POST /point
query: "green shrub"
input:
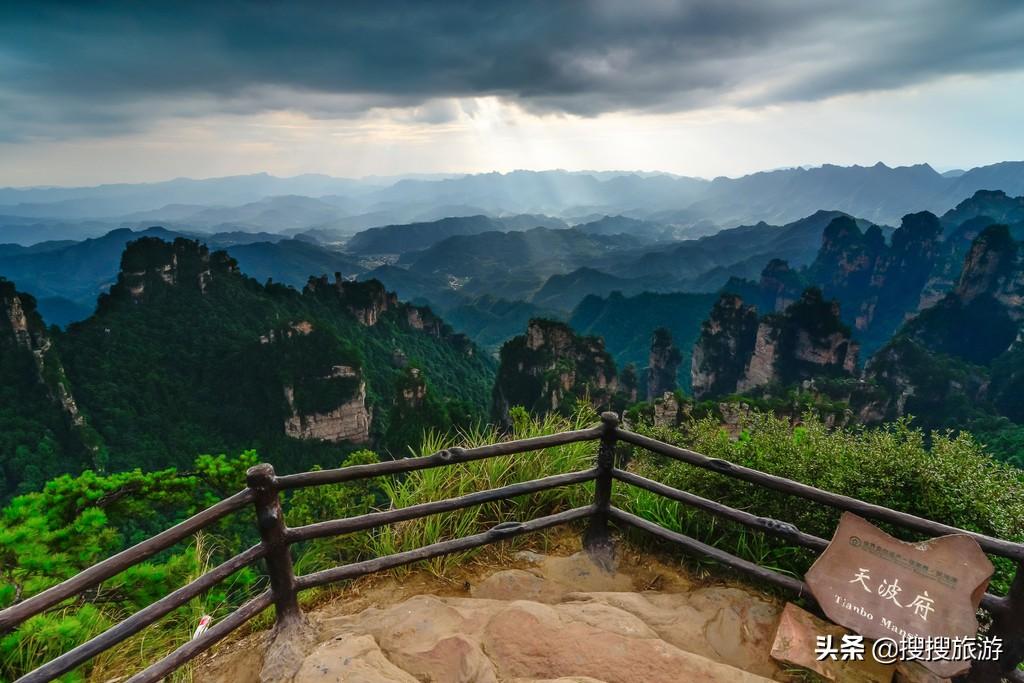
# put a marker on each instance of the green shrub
(456, 480)
(953, 480)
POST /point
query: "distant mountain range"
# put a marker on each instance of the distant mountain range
(337, 208)
(67, 276)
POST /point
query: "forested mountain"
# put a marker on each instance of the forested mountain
(291, 261)
(556, 269)
(551, 367)
(43, 433)
(943, 341)
(960, 359)
(66, 277)
(877, 193)
(398, 239)
(710, 261)
(617, 285)
(644, 230)
(882, 283)
(490, 320)
(186, 355)
(626, 323)
(565, 292)
(738, 351)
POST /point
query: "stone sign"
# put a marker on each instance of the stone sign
(882, 587)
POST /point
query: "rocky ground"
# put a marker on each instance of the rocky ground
(554, 618)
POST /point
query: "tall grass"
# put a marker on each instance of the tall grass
(176, 628)
(463, 478)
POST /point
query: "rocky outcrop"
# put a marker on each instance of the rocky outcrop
(737, 352)
(780, 285)
(21, 324)
(549, 368)
(662, 364)
(150, 265)
(724, 347)
(848, 258)
(992, 269)
(18, 321)
(423, 320)
(964, 351)
(981, 318)
(668, 411)
(367, 301)
(413, 388)
(349, 421)
(46, 431)
(880, 285)
(761, 368)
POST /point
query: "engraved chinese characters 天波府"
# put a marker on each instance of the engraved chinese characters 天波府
(882, 587)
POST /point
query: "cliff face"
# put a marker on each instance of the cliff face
(847, 258)
(781, 286)
(150, 265)
(24, 326)
(879, 284)
(991, 269)
(981, 317)
(964, 352)
(367, 301)
(724, 347)
(550, 367)
(19, 321)
(737, 352)
(349, 421)
(45, 432)
(961, 226)
(662, 365)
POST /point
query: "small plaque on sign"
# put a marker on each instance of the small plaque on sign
(882, 587)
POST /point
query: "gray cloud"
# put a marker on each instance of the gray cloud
(67, 70)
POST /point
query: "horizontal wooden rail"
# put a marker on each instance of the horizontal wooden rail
(448, 456)
(277, 538)
(497, 533)
(141, 619)
(695, 547)
(784, 530)
(996, 546)
(19, 612)
(338, 527)
(204, 642)
(770, 526)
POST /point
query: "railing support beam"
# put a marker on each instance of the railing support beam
(270, 521)
(1008, 626)
(597, 540)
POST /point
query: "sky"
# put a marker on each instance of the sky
(131, 92)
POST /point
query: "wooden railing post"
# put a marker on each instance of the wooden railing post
(1008, 626)
(270, 520)
(597, 540)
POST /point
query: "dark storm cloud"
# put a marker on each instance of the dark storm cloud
(66, 69)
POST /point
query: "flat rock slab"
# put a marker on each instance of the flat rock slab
(563, 620)
(795, 642)
(559, 620)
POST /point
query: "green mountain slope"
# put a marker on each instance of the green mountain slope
(626, 324)
(186, 355)
(42, 431)
(398, 239)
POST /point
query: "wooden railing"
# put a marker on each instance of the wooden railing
(264, 489)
